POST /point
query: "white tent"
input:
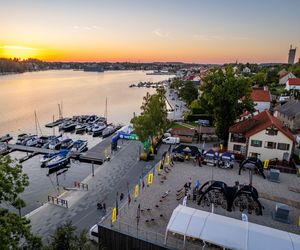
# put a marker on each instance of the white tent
(228, 232)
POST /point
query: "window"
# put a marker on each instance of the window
(256, 143)
(283, 146)
(271, 131)
(236, 147)
(270, 144)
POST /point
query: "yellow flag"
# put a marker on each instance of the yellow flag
(159, 165)
(167, 160)
(150, 178)
(266, 163)
(114, 215)
(136, 191)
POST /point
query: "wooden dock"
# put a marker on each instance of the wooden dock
(98, 153)
(55, 123)
(36, 150)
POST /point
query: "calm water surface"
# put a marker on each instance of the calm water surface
(81, 93)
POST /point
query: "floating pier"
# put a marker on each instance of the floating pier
(55, 123)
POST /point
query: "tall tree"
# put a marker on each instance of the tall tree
(188, 92)
(14, 229)
(153, 119)
(66, 238)
(225, 97)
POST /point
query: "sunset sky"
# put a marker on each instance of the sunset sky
(202, 31)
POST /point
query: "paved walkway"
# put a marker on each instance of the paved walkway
(110, 178)
(156, 211)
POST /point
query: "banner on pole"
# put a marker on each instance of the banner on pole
(167, 161)
(150, 178)
(114, 215)
(159, 165)
(136, 191)
(266, 163)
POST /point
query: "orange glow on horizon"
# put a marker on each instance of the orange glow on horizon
(129, 54)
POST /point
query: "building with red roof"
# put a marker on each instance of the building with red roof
(293, 84)
(261, 98)
(285, 76)
(263, 136)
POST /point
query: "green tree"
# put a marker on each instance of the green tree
(153, 119)
(66, 238)
(225, 97)
(188, 92)
(14, 229)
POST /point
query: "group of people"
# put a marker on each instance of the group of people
(101, 206)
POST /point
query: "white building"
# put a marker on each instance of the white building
(283, 79)
(261, 98)
(246, 70)
(262, 136)
(293, 84)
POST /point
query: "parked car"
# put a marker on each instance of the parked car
(171, 140)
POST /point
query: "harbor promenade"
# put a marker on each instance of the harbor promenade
(110, 178)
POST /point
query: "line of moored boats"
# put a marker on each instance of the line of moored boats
(90, 124)
(64, 146)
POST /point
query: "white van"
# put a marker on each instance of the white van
(93, 233)
(171, 140)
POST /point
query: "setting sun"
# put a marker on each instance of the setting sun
(22, 52)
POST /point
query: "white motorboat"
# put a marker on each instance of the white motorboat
(79, 146)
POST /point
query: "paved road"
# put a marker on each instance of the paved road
(110, 178)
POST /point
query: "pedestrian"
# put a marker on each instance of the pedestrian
(190, 183)
(104, 207)
(121, 196)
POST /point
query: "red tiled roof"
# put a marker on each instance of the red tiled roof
(260, 95)
(294, 81)
(258, 123)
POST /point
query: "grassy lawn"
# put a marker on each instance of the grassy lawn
(176, 125)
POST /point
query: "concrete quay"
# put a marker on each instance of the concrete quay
(109, 178)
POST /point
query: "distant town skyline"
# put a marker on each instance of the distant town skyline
(191, 31)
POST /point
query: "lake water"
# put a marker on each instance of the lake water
(81, 93)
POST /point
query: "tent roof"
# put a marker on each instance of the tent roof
(228, 232)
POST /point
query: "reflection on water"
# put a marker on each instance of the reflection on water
(80, 92)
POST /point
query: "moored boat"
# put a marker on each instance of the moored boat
(3, 148)
(47, 158)
(54, 144)
(79, 146)
(98, 128)
(61, 159)
(6, 138)
(67, 144)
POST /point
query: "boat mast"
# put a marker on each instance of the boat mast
(37, 124)
(105, 111)
(35, 121)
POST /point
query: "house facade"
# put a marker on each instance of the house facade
(293, 84)
(261, 98)
(289, 114)
(262, 136)
(283, 79)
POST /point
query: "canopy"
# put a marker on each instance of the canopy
(227, 156)
(228, 232)
(210, 153)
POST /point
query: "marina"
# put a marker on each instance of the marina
(63, 87)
